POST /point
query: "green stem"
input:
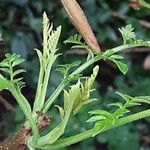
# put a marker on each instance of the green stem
(45, 83)
(127, 46)
(42, 87)
(38, 91)
(63, 84)
(25, 106)
(53, 96)
(91, 61)
(87, 134)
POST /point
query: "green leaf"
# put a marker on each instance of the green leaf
(122, 67)
(76, 39)
(95, 118)
(47, 59)
(8, 64)
(114, 56)
(124, 96)
(142, 99)
(5, 70)
(50, 37)
(129, 37)
(64, 69)
(120, 112)
(20, 85)
(127, 33)
(39, 53)
(100, 112)
(84, 92)
(69, 98)
(61, 111)
(132, 103)
(99, 126)
(105, 119)
(4, 84)
(4, 63)
(74, 98)
(18, 72)
(17, 60)
(117, 104)
(12, 60)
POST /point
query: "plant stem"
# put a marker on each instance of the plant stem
(87, 134)
(127, 46)
(45, 84)
(38, 91)
(91, 61)
(25, 106)
(63, 84)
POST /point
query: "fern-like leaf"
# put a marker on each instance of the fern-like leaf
(4, 84)
(77, 43)
(8, 66)
(50, 41)
(129, 36)
(127, 33)
(104, 118)
(64, 69)
(83, 96)
(80, 93)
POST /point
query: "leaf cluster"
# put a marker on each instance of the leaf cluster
(8, 66)
(76, 40)
(104, 119)
(78, 94)
(129, 36)
(74, 99)
(65, 69)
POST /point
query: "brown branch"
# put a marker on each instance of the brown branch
(18, 141)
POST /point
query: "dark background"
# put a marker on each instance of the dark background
(21, 30)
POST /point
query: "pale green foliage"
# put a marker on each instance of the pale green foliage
(78, 95)
(4, 84)
(14, 85)
(50, 40)
(50, 37)
(127, 33)
(47, 59)
(76, 40)
(105, 119)
(74, 98)
(78, 44)
(8, 66)
(129, 36)
(117, 60)
(65, 69)
(80, 92)
(83, 96)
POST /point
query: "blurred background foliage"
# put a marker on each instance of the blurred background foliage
(21, 30)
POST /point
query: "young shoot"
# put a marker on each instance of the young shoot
(75, 97)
